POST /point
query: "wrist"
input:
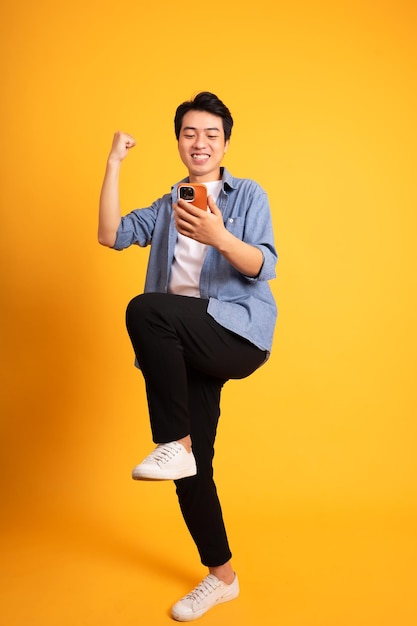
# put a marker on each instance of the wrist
(114, 161)
(224, 242)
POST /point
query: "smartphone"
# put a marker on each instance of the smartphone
(195, 193)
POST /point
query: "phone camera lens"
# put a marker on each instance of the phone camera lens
(187, 193)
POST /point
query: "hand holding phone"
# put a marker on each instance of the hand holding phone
(195, 193)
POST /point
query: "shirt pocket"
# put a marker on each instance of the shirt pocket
(235, 225)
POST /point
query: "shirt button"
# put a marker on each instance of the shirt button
(231, 220)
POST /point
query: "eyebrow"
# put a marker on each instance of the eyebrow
(194, 128)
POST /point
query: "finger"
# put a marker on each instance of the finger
(189, 208)
(184, 228)
(124, 138)
(130, 142)
(212, 205)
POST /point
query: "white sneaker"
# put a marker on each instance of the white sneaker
(208, 593)
(169, 461)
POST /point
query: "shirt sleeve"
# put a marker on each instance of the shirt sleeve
(137, 227)
(259, 233)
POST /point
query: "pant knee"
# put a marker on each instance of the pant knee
(138, 308)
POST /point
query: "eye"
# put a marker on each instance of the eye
(212, 136)
(188, 136)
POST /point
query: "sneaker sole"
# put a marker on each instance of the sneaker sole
(180, 618)
(144, 475)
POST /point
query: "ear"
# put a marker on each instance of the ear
(226, 145)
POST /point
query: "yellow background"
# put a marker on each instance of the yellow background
(316, 454)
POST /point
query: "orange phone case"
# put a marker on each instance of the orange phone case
(200, 195)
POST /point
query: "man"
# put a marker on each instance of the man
(207, 315)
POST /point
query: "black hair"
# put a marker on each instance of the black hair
(205, 101)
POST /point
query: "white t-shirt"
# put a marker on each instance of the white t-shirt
(189, 257)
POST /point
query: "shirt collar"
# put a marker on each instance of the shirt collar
(227, 180)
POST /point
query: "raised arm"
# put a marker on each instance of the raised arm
(109, 211)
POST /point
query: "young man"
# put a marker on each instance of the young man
(206, 315)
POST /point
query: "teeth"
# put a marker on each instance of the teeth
(199, 157)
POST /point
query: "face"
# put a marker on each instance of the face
(202, 146)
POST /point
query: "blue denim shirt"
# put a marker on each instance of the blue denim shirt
(242, 304)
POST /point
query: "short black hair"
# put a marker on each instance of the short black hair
(205, 101)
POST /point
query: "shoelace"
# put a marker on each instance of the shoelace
(204, 589)
(164, 453)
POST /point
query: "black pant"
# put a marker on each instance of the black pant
(186, 357)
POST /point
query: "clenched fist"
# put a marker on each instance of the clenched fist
(122, 143)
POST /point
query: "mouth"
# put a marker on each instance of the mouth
(200, 157)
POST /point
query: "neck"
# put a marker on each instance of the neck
(208, 178)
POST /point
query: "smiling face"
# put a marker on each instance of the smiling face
(201, 145)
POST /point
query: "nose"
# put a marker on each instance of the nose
(200, 141)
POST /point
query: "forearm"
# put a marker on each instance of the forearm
(247, 259)
(109, 210)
